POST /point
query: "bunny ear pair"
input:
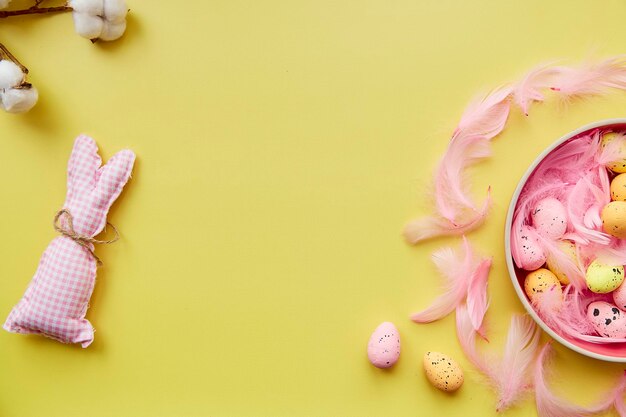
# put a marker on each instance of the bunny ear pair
(86, 176)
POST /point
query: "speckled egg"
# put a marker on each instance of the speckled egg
(618, 188)
(569, 249)
(443, 372)
(620, 164)
(550, 218)
(614, 219)
(619, 296)
(607, 319)
(531, 255)
(543, 283)
(602, 278)
(383, 349)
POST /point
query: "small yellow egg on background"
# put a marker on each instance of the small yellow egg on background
(602, 278)
(543, 283)
(614, 219)
(618, 188)
(443, 372)
(618, 165)
(569, 249)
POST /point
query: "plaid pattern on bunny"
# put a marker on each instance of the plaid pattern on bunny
(56, 301)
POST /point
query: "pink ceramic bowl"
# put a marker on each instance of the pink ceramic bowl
(615, 352)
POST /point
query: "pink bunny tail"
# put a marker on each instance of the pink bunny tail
(550, 405)
(477, 301)
(457, 269)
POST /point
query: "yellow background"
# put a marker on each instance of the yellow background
(281, 147)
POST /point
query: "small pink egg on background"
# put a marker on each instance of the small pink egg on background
(550, 218)
(383, 349)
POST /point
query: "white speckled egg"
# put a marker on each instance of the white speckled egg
(602, 278)
(569, 249)
(618, 188)
(531, 255)
(550, 218)
(607, 319)
(443, 372)
(543, 285)
(619, 296)
(383, 349)
(620, 164)
(614, 219)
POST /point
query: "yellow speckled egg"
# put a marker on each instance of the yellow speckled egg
(618, 188)
(602, 278)
(620, 164)
(543, 283)
(569, 249)
(443, 372)
(614, 219)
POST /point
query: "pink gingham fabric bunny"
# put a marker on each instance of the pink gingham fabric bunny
(56, 301)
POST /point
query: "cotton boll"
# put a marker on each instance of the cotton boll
(19, 100)
(112, 31)
(90, 7)
(10, 74)
(115, 11)
(4, 4)
(87, 26)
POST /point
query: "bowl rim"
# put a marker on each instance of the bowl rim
(507, 240)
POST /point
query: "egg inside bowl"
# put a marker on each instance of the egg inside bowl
(562, 209)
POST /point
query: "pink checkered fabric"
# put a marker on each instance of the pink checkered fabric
(55, 302)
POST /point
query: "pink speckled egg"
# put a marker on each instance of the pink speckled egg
(607, 319)
(619, 296)
(531, 254)
(383, 349)
(550, 218)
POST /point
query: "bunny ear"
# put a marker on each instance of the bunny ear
(112, 177)
(82, 166)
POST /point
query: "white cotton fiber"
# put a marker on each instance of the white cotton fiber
(112, 31)
(19, 100)
(10, 74)
(90, 7)
(115, 11)
(4, 4)
(87, 26)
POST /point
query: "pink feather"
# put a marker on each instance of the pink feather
(528, 89)
(510, 374)
(513, 372)
(591, 78)
(457, 269)
(477, 301)
(433, 226)
(549, 405)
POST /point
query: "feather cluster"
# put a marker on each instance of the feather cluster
(576, 181)
(99, 19)
(16, 95)
(455, 212)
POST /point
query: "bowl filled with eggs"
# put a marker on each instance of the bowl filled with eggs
(565, 240)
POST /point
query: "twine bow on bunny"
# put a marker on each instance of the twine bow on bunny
(56, 301)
